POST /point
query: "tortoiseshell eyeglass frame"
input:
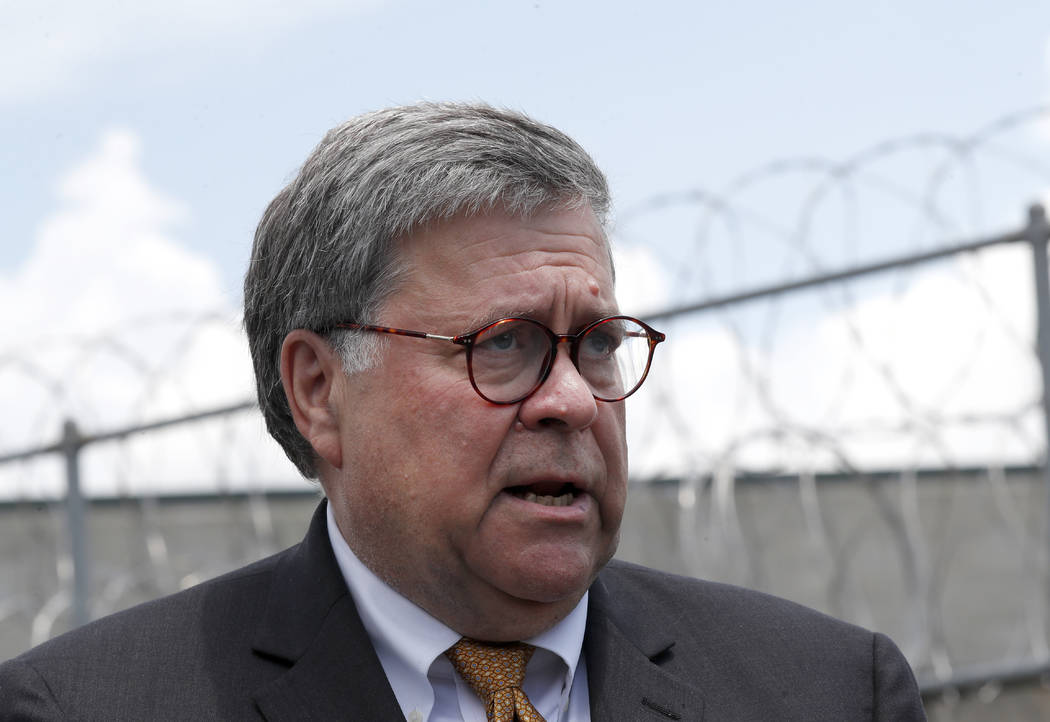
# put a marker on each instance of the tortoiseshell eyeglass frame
(573, 339)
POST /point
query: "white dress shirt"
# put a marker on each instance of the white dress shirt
(411, 647)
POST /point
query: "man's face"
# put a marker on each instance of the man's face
(431, 491)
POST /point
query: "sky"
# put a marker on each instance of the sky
(141, 142)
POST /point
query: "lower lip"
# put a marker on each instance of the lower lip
(577, 509)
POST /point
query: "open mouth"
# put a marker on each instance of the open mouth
(546, 493)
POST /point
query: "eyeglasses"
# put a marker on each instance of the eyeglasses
(509, 359)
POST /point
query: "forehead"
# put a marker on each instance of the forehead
(550, 264)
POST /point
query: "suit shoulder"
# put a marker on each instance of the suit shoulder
(765, 657)
(700, 603)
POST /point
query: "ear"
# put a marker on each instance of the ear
(310, 372)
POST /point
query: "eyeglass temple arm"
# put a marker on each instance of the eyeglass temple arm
(395, 331)
(654, 335)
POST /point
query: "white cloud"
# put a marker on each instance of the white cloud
(47, 45)
(106, 254)
(111, 321)
(641, 285)
(920, 371)
(920, 376)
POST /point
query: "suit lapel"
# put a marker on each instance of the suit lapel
(624, 677)
(312, 625)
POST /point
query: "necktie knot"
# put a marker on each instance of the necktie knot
(495, 673)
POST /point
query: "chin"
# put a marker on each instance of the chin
(552, 591)
(551, 580)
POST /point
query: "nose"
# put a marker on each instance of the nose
(563, 402)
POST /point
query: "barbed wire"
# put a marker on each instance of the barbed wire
(939, 438)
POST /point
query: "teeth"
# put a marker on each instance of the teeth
(563, 500)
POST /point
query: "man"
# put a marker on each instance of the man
(431, 315)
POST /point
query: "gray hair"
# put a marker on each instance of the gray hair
(325, 249)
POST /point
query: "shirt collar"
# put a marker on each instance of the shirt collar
(565, 638)
(396, 625)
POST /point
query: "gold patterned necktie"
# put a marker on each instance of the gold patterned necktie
(495, 673)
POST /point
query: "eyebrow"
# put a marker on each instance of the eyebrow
(484, 319)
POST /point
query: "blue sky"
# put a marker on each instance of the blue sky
(227, 98)
(141, 142)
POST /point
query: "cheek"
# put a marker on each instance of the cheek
(611, 436)
(430, 448)
(611, 432)
(461, 432)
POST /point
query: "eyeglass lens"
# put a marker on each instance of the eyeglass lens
(510, 358)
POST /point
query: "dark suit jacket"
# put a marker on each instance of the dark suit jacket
(281, 639)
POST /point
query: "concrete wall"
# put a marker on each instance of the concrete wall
(949, 566)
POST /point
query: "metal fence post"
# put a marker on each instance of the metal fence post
(1037, 233)
(72, 443)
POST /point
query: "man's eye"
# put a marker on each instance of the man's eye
(506, 341)
(599, 343)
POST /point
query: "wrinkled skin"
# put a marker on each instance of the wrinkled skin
(417, 466)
